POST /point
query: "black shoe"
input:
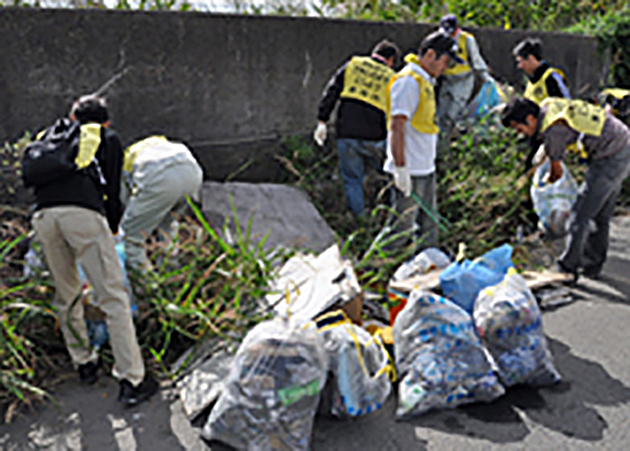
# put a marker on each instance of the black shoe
(592, 272)
(560, 268)
(130, 395)
(88, 372)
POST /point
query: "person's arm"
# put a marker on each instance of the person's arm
(556, 87)
(477, 63)
(331, 95)
(556, 138)
(397, 138)
(111, 161)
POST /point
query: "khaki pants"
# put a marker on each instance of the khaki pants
(155, 204)
(70, 234)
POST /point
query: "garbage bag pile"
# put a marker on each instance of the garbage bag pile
(509, 322)
(440, 359)
(446, 352)
(272, 392)
(553, 201)
(360, 367)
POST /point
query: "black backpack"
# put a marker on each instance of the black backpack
(52, 155)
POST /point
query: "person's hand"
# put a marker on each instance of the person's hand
(555, 172)
(402, 180)
(320, 133)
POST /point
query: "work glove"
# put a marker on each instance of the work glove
(402, 179)
(320, 133)
(539, 156)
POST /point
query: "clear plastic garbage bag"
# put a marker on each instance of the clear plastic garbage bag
(439, 357)
(510, 325)
(273, 390)
(553, 201)
(426, 261)
(360, 368)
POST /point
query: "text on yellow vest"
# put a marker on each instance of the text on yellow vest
(366, 80)
(537, 92)
(423, 119)
(462, 52)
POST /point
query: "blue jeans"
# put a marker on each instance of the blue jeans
(354, 154)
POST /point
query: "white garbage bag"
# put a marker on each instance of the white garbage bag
(553, 201)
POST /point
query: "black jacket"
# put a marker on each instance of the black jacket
(355, 119)
(83, 188)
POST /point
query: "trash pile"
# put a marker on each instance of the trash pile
(457, 332)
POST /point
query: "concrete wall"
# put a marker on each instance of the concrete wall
(230, 86)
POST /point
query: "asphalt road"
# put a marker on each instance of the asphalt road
(590, 409)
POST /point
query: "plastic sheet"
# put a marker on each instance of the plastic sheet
(273, 390)
(427, 260)
(359, 365)
(440, 359)
(509, 321)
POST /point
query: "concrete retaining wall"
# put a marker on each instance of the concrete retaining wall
(228, 85)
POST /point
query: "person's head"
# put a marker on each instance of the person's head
(436, 51)
(90, 108)
(449, 24)
(521, 114)
(388, 51)
(528, 55)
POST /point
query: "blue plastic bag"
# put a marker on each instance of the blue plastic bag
(462, 281)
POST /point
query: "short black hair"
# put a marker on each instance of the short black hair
(517, 111)
(529, 46)
(90, 108)
(387, 49)
(441, 43)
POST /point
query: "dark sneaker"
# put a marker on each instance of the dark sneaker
(88, 372)
(560, 268)
(130, 395)
(592, 272)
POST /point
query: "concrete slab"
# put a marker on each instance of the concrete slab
(283, 211)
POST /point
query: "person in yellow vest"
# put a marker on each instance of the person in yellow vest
(544, 80)
(458, 80)
(617, 100)
(359, 86)
(75, 218)
(412, 139)
(563, 125)
(158, 175)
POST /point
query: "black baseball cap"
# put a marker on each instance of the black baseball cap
(441, 43)
(449, 23)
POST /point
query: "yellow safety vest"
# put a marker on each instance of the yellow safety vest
(537, 92)
(614, 97)
(583, 117)
(423, 119)
(132, 152)
(462, 52)
(366, 80)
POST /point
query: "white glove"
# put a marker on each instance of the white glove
(320, 133)
(402, 180)
(539, 156)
